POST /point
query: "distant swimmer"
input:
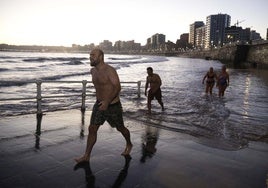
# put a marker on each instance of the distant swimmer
(108, 106)
(153, 82)
(223, 81)
(210, 80)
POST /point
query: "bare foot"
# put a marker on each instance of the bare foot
(81, 159)
(127, 150)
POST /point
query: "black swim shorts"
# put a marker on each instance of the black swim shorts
(157, 95)
(113, 115)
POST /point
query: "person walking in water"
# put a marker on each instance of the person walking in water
(108, 106)
(223, 81)
(210, 80)
(153, 82)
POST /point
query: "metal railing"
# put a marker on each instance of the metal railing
(39, 96)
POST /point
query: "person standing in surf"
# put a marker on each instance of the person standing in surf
(223, 81)
(153, 82)
(108, 106)
(210, 80)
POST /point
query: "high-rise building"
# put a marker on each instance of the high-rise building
(200, 37)
(192, 34)
(157, 42)
(215, 29)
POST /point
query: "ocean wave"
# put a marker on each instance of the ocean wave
(44, 59)
(7, 57)
(49, 78)
(74, 62)
(58, 77)
(12, 83)
(3, 69)
(24, 69)
(202, 135)
(124, 58)
(129, 62)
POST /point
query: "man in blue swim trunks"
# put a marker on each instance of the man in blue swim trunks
(108, 106)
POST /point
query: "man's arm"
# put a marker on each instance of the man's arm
(204, 78)
(113, 76)
(146, 86)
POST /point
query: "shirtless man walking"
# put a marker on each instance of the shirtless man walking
(153, 81)
(108, 106)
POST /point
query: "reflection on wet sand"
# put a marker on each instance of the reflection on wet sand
(149, 140)
(123, 173)
(38, 131)
(39, 125)
(82, 124)
(90, 178)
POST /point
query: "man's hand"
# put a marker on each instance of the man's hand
(103, 105)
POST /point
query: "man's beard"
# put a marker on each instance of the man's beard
(93, 63)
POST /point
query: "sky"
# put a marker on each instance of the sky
(67, 22)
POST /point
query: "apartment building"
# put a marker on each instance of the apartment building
(236, 34)
(200, 37)
(127, 46)
(215, 29)
(192, 33)
(156, 42)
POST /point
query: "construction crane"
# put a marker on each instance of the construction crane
(238, 22)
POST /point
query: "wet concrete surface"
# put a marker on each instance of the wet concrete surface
(41, 154)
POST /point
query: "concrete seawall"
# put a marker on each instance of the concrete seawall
(237, 55)
(258, 54)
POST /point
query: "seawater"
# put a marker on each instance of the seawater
(228, 123)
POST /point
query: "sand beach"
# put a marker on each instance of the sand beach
(160, 158)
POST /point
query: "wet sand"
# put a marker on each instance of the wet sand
(41, 154)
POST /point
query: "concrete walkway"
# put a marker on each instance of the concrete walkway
(160, 158)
